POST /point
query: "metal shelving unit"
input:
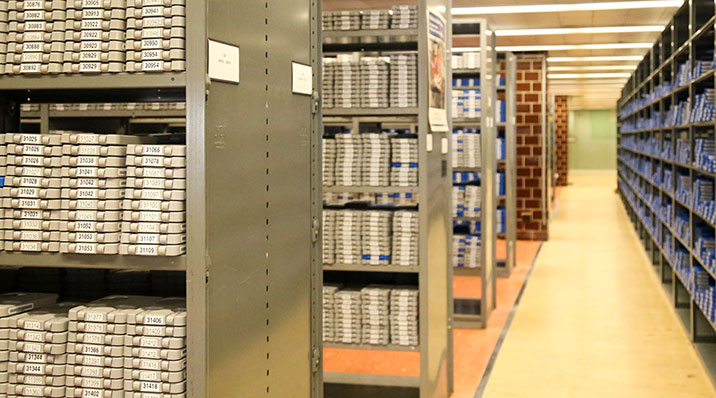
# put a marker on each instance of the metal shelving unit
(508, 131)
(252, 279)
(473, 312)
(650, 153)
(431, 274)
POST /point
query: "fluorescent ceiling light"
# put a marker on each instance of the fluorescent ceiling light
(571, 31)
(590, 67)
(566, 47)
(596, 58)
(621, 5)
(585, 75)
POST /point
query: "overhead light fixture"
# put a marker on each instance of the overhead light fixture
(596, 58)
(590, 67)
(621, 5)
(567, 47)
(571, 31)
(586, 75)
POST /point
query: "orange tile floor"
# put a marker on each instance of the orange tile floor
(473, 348)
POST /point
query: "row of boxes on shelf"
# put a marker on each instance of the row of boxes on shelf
(466, 60)
(466, 148)
(397, 17)
(466, 104)
(677, 115)
(373, 315)
(101, 36)
(370, 237)
(376, 200)
(115, 347)
(466, 201)
(359, 81)
(388, 158)
(472, 82)
(704, 150)
(466, 251)
(84, 193)
(684, 76)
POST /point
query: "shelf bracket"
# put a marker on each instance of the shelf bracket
(315, 359)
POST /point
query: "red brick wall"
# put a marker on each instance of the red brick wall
(530, 185)
(561, 149)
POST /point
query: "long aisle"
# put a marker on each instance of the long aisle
(593, 320)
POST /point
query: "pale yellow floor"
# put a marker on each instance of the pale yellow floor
(593, 320)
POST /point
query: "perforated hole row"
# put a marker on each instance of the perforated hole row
(267, 299)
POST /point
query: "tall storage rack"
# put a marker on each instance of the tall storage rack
(252, 286)
(473, 312)
(666, 167)
(507, 164)
(429, 364)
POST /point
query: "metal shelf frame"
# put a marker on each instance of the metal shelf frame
(253, 272)
(473, 312)
(509, 165)
(687, 38)
(432, 272)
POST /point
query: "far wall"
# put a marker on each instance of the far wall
(592, 139)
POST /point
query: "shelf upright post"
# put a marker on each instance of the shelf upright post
(472, 312)
(510, 162)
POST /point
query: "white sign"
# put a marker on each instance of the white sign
(223, 62)
(302, 78)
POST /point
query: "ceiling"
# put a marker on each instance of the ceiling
(584, 93)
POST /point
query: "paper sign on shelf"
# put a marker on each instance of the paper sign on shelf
(302, 78)
(223, 62)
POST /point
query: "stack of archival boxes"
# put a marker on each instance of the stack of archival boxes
(94, 36)
(127, 347)
(155, 35)
(35, 36)
(23, 356)
(154, 207)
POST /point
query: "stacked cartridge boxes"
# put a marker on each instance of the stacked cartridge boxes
(95, 36)
(38, 353)
(374, 82)
(348, 316)
(467, 151)
(398, 17)
(703, 110)
(375, 164)
(375, 19)
(466, 251)
(35, 39)
(14, 353)
(373, 315)
(469, 60)
(376, 227)
(92, 36)
(329, 312)
(155, 35)
(154, 219)
(370, 159)
(371, 238)
(405, 238)
(467, 201)
(404, 313)
(92, 191)
(404, 161)
(155, 350)
(467, 104)
(705, 154)
(329, 232)
(352, 81)
(404, 17)
(31, 197)
(70, 192)
(403, 81)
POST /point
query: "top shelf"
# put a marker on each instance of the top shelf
(93, 82)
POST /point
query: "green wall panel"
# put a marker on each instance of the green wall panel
(592, 139)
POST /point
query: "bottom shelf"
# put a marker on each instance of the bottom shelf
(467, 313)
(371, 379)
(389, 347)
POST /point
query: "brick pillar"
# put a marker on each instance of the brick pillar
(530, 185)
(561, 149)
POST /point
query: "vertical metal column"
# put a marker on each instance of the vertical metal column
(511, 161)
